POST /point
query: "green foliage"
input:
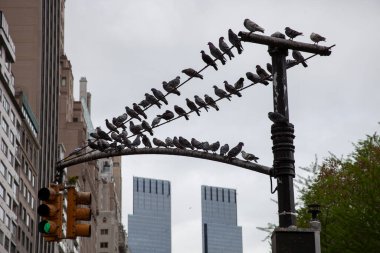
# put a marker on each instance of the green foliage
(348, 191)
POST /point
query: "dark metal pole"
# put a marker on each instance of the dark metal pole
(282, 136)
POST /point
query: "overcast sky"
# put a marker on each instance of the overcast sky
(125, 48)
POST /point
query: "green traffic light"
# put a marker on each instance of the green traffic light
(44, 227)
(47, 228)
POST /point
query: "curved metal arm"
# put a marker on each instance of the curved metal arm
(168, 151)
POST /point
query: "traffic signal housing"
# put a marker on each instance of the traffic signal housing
(50, 211)
(76, 212)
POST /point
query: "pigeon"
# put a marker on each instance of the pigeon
(167, 115)
(208, 60)
(120, 147)
(119, 121)
(116, 137)
(215, 146)
(175, 82)
(211, 102)
(276, 117)
(252, 26)
(177, 144)
(262, 73)
(205, 146)
(169, 142)
(170, 89)
(111, 126)
(270, 68)
(122, 118)
(132, 113)
(159, 143)
(135, 129)
(145, 125)
(159, 95)
(95, 135)
(299, 58)
(112, 146)
(221, 93)
(278, 35)
(92, 145)
(185, 143)
(255, 78)
(249, 157)
(156, 121)
(235, 41)
(231, 89)
(124, 134)
(103, 145)
(192, 106)
(181, 112)
(140, 111)
(192, 73)
(225, 48)
(136, 142)
(239, 84)
(144, 103)
(152, 100)
(200, 102)
(291, 63)
(216, 53)
(146, 141)
(102, 135)
(127, 142)
(292, 33)
(315, 37)
(196, 144)
(224, 149)
(235, 150)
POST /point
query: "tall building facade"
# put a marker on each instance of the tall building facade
(149, 227)
(220, 233)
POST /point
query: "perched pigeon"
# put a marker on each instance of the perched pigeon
(124, 134)
(196, 144)
(292, 33)
(290, 63)
(262, 73)
(102, 135)
(205, 146)
(132, 113)
(255, 78)
(200, 102)
(136, 142)
(181, 112)
(185, 143)
(152, 100)
(231, 89)
(225, 48)
(192, 106)
(145, 125)
(215, 146)
(216, 53)
(270, 68)
(235, 150)
(208, 60)
(224, 149)
(122, 118)
(111, 126)
(116, 137)
(135, 129)
(92, 145)
(159, 143)
(159, 95)
(156, 121)
(169, 142)
(113, 145)
(299, 58)
(177, 144)
(140, 111)
(175, 82)
(103, 145)
(211, 102)
(315, 37)
(119, 121)
(120, 147)
(221, 93)
(170, 89)
(276, 117)
(239, 84)
(167, 115)
(146, 141)
(192, 73)
(234, 39)
(252, 26)
(249, 157)
(127, 142)
(144, 103)
(95, 135)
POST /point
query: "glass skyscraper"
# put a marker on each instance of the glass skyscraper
(220, 233)
(149, 227)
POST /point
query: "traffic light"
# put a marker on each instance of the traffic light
(51, 212)
(76, 213)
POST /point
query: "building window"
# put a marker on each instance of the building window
(12, 137)
(211, 193)
(1, 214)
(10, 179)
(2, 191)
(5, 126)
(7, 221)
(6, 105)
(1, 236)
(1, 91)
(6, 243)
(104, 231)
(75, 119)
(4, 148)
(11, 159)
(104, 245)
(8, 200)
(104, 219)
(3, 169)
(63, 81)
(12, 116)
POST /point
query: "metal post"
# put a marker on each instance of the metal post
(282, 136)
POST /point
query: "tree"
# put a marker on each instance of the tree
(348, 191)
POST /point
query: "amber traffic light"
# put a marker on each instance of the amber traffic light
(78, 209)
(50, 210)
